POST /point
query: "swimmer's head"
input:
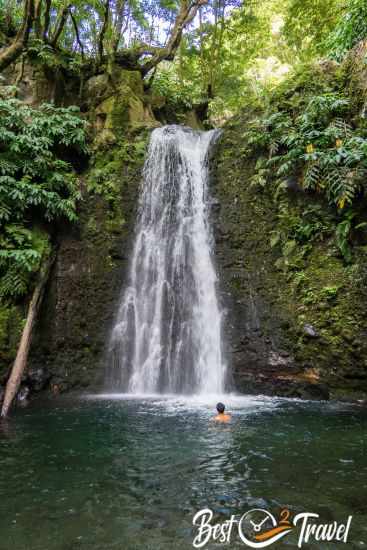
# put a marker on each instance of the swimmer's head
(220, 408)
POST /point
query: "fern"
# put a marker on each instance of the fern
(321, 142)
(273, 148)
(340, 128)
(313, 176)
(14, 282)
(343, 187)
(33, 179)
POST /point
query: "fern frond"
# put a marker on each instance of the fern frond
(343, 186)
(313, 176)
(14, 282)
(341, 127)
(273, 148)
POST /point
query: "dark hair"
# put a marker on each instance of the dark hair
(220, 408)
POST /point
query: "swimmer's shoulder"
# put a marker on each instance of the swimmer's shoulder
(222, 418)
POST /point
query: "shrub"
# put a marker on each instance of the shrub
(35, 182)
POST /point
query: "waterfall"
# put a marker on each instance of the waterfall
(167, 332)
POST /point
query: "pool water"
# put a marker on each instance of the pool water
(116, 472)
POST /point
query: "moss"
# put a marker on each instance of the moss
(41, 242)
(92, 260)
(118, 117)
(122, 107)
(355, 74)
(11, 313)
(132, 80)
(11, 326)
(279, 261)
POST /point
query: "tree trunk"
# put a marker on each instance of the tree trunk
(37, 18)
(12, 52)
(46, 20)
(106, 16)
(186, 14)
(60, 24)
(120, 9)
(77, 35)
(21, 359)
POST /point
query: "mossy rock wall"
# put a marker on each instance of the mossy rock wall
(297, 334)
(92, 257)
(91, 263)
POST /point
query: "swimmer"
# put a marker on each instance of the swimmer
(222, 416)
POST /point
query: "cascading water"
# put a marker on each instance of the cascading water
(167, 334)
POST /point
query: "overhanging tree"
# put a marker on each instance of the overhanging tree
(136, 34)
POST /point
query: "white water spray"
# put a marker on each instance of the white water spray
(167, 334)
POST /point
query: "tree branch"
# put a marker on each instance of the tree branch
(75, 25)
(46, 20)
(37, 17)
(142, 57)
(118, 25)
(60, 24)
(12, 52)
(103, 31)
(188, 10)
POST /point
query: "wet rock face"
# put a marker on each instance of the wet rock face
(82, 294)
(42, 84)
(22, 395)
(37, 378)
(259, 358)
(279, 343)
(80, 302)
(310, 331)
(257, 354)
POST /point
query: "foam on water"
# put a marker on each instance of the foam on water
(204, 403)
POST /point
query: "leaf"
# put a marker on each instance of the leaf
(275, 239)
(289, 248)
(33, 180)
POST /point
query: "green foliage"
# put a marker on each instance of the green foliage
(34, 183)
(330, 292)
(21, 253)
(296, 232)
(245, 52)
(308, 23)
(107, 165)
(229, 54)
(309, 139)
(342, 235)
(178, 92)
(351, 28)
(319, 147)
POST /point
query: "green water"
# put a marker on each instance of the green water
(126, 474)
